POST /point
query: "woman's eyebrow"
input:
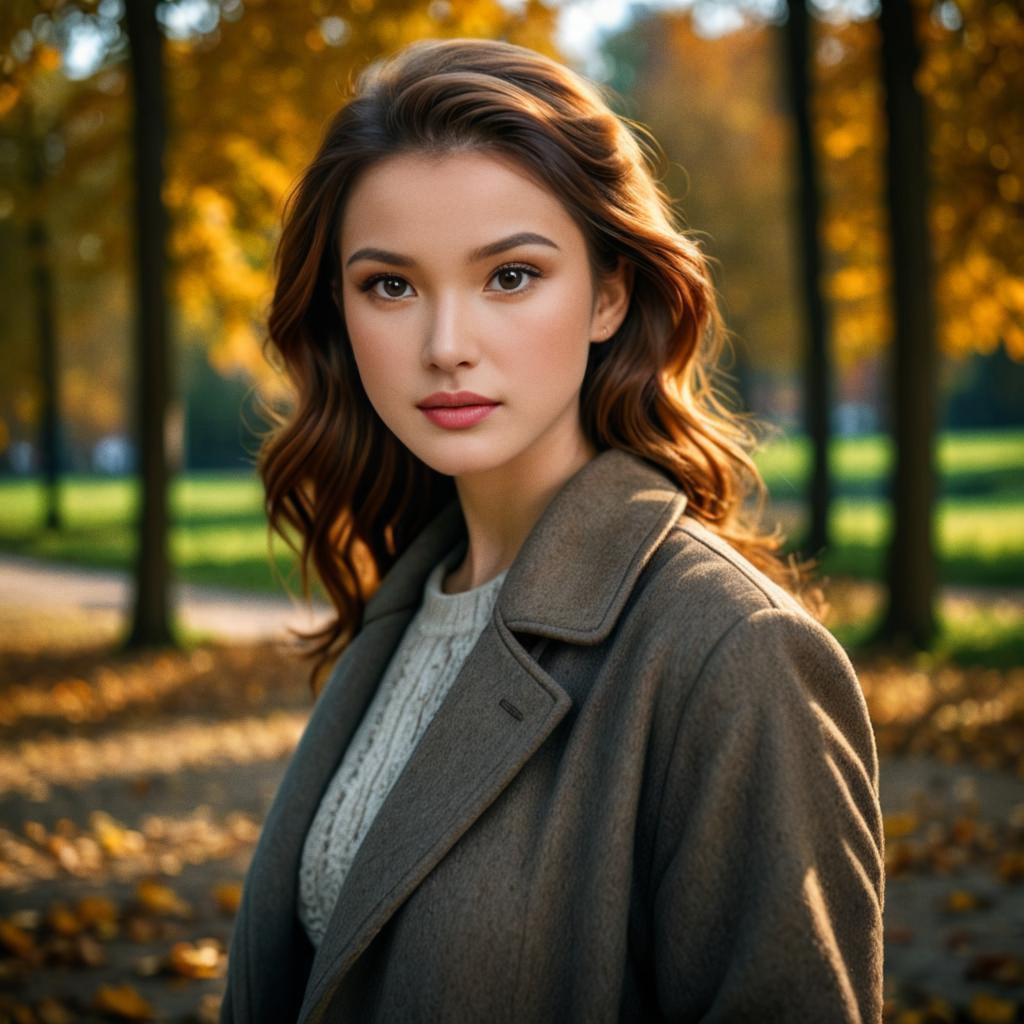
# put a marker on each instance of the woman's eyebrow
(491, 249)
(520, 238)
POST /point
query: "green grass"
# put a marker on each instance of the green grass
(992, 636)
(979, 542)
(977, 463)
(978, 531)
(219, 533)
(218, 536)
(980, 509)
(981, 636)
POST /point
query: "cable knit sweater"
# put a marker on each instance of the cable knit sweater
(417, 678)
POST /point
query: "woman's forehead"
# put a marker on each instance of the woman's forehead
(467, 199)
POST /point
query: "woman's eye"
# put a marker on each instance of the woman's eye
(510, 278)
(391, 287)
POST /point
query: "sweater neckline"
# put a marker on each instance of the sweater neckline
(444, 614)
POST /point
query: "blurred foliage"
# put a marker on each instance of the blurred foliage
(731, 153)
(717, 109)
(251, 88)
(972, 79)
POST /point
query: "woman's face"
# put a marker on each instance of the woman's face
(460, 273)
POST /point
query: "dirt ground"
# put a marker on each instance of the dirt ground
(132, 790)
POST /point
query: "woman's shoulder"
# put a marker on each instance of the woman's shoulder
(737, 653)
(703, 586)
(709, 564)
(725, 627)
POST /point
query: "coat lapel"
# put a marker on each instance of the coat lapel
(569, 581)
(267, 924)
(499, 710)
(278, 952)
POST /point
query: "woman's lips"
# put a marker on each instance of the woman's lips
(456, 417)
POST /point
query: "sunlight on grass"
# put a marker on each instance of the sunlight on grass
(219, 545)
(219, 531)
(88, 502)
(988, 530)
(221, 494)
(786, 463)
(990, 632)
(974, 629)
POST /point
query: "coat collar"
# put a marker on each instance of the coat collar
(576, 568)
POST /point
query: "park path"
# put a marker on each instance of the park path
(230, 615)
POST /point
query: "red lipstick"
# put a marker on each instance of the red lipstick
(456, 410)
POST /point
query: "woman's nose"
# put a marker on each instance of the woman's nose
(448, 343)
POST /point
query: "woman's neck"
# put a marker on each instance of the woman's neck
(502, 506)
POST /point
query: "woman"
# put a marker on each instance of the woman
(582, 755)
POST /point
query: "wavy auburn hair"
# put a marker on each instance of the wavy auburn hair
(337, 477)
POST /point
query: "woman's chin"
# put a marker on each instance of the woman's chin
(459, 460)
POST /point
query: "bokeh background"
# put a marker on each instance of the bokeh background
(855, 170)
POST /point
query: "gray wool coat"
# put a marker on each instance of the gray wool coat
(650, 794)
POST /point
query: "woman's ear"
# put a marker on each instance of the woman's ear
(611, 301)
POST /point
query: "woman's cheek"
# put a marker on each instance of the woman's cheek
(377, 374)
(374, 346)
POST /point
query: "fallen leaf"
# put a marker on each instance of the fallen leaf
(89, 952)
(1011, 866)
(18, 941)
(52, 1011)
(899, 933)
(123, 1001)
(959, 938)
(1002, 967)
(62, 920)
(161, 899)
(28, 918)
(208, 1011)
(205, 959)
(228, 896)
(149, 966)
(22, 1014)
(140, 929)
(963, 830)
(960, 901)
(939, 1011)
(988, 1009)
(96, 912)
(13, 973)
(899, 825)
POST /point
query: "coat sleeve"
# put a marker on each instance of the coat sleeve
(768, 868)
(226, 1014)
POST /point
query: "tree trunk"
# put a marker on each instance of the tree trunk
(909, 618)
(43, 294)
(151, 619)
(817, 388)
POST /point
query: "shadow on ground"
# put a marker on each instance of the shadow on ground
(133, 788)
